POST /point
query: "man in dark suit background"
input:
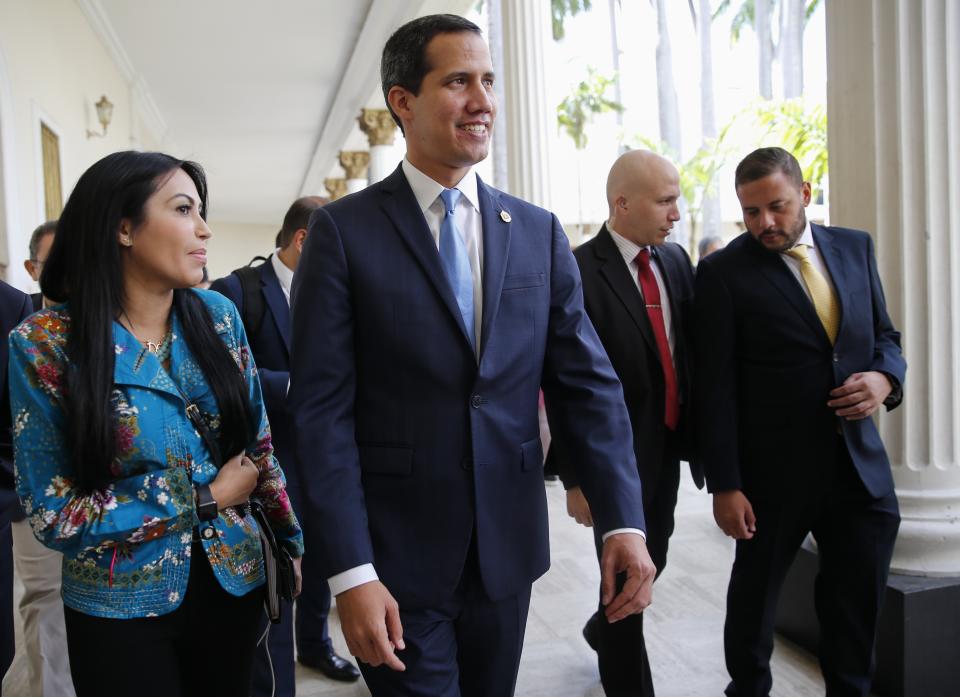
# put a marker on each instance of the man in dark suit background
(41, 239)
(645, 331)
(14, 308)
(795, 353)
(428, 308)
(262, 295)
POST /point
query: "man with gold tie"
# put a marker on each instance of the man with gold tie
(795, 353)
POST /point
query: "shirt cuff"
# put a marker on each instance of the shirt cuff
(618, 531)
(351, 578)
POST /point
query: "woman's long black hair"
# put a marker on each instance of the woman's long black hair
(84, 269)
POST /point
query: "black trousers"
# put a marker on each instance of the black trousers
(621, 648)
(855, 534)
(203, 648)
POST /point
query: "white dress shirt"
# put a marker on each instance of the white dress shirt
(284, 273)
(816, 259)
(629, 250)
(467, 219)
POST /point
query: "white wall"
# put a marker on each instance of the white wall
(234, 244)
(53, 67)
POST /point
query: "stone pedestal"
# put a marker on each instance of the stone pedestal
(524, 112)
(894, 133)
(355, 164)
(380, 128)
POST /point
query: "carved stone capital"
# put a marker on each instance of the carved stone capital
(355, 163)
(378, 125)
(336, 186)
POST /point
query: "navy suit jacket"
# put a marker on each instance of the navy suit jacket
(411, 448)
(766, 367)
(270, 346)
(616, 309)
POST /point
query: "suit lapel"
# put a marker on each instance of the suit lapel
(775, 270)
(276, 301)
(496, 243)
(617, 275)
(832, 258)
(402, 208)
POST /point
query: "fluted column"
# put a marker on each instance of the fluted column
(380, 128)
(336, 187)
(525, 113)
(355, 164)
(894, 133)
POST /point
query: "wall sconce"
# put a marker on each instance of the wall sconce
(104, 113)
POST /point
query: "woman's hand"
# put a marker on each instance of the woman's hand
(235, 481)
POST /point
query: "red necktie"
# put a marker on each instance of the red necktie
(651, 296)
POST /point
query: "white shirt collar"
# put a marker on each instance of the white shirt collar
(426, 190)
(807, 237)
(284, 273)
(628, 249)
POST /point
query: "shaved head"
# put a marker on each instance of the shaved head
(643, 190)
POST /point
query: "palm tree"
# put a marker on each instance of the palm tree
(702, 17)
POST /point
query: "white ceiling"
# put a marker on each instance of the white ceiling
(262, 94)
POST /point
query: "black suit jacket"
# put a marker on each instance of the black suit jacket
(766, 367)
(14, 308)
(616, 308)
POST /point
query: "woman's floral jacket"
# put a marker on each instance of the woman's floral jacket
(127, 547)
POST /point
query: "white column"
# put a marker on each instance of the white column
(355, 164)
(380, 129)
(525, 113)
(894, 134)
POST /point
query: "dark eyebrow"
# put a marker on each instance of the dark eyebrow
(186, 196)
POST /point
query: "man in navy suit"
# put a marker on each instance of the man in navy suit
(638, 291)
(795, 353)
(262, 296)
(428, 310)
(14, 308)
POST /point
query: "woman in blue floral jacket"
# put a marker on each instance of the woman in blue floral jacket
(162, 562)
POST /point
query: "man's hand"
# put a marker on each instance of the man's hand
(297, 576)
(626, 552)
(370, 620)
(860, 395)
(578, 508)
(734, 514)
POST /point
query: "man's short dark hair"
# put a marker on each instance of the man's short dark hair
(404, 60)
(47, 228)
(298, 215)
(766, 161)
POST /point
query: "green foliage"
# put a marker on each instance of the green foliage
(559, 9)
(746, 14)
(799, 128)
(586, 100)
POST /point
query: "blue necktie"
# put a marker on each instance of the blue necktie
(453, 256)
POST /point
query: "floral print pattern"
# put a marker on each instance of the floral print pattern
(127, 547)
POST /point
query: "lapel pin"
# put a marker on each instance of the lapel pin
(505, 217)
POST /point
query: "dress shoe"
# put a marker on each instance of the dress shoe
(331, 665)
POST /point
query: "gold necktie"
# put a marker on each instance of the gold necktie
(824, 301)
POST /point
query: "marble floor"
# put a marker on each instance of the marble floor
(683, 626)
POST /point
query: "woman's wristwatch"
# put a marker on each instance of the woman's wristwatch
(207, 508)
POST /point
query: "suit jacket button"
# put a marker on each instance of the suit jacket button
(476, 401)
(836, 358)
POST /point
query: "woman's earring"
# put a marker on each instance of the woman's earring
(126, 241)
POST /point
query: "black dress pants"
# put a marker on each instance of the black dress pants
(855, 534)
(621, 648)
(204, 648)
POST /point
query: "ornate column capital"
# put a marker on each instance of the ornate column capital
(355, 163)
(336, 186)
(378, 125)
